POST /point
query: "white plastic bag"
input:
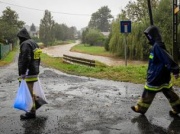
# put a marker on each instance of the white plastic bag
(40, 98)
(23, 100)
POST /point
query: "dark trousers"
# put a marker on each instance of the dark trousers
(30, 86)
(147, 97)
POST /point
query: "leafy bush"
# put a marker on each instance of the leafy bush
(93, 37)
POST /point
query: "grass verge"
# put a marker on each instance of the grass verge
(9, 58)
(131, 73)
(135, 74)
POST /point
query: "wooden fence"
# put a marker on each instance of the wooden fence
(82, 61)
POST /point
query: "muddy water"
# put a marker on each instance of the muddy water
(82, 105)
(58, 51)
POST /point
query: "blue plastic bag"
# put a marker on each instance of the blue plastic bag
(23, 100)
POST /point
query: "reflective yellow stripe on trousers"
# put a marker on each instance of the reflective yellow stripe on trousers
(158, 88)
(29, 79)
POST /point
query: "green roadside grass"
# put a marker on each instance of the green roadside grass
(135, 74)
(130, 73)
(9, 58)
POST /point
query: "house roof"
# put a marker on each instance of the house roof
(105, 33)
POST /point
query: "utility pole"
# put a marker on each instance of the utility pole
(150, 12)
(175, 26)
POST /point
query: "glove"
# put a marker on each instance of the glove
(176, 76)
(23, 76)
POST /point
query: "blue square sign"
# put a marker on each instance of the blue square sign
(125, 26)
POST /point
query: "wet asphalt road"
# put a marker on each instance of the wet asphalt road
(81, 105)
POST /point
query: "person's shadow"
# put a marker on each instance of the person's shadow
(34, 126)
(145, 127)
(174, 127)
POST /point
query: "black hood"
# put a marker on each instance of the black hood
(153, 35)
(23, 35)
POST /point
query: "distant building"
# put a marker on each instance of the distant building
(34, 33)
(106, 34)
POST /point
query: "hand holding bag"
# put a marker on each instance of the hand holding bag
(23, 100)
(40, 98)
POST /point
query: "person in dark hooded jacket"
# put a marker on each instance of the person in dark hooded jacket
(161, 65)
(28, 65)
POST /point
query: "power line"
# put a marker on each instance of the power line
(43, 10)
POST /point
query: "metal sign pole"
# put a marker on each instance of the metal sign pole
(125, 27)
(175, 30)
(125, 49)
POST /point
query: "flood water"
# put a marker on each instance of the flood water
(59, 50)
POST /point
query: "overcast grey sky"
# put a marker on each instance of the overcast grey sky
(70, 12)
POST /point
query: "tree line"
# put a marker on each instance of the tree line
(49, 31)
(137, 13)
(102, 21)
(9, 25)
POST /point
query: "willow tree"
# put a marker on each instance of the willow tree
(163, 19)
(137, 12)
(116, 41)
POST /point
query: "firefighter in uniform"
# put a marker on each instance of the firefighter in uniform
(161, 65)
(28, 65)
